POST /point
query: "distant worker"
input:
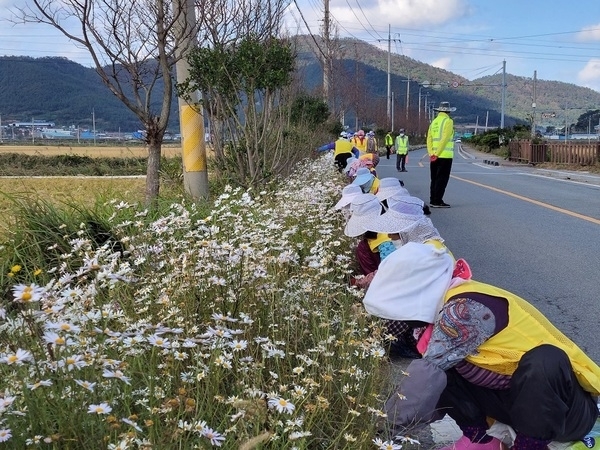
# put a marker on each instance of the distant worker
(440, 147)
(372, 142)
(360, 141)
(401, 151)
(342, 150)
(389, 143)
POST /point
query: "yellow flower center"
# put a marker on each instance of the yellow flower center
(26, 296)
(12, 359)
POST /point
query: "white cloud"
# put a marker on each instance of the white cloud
(442, 63)
(590, 75)
(399, 13)
(591, 33)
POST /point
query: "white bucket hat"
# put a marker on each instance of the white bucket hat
(416, 295)
(349, 163)
(406, 204)
(364, 208)
(363, 175)
(389, 187)
(349, 193)
(392, 222)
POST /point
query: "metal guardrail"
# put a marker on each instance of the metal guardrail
(569, 153)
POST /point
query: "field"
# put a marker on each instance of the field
(73, 190)
(122, 151)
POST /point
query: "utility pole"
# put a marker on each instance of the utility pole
(94, 125)
(407, 97)
(392, 129)
(503, 94)
(327, 57)
(389, 74)
(191, 117)
(533, 104)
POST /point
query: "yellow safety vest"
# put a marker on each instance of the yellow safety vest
(402, 145)
(436, 129)
(342, 146)
(527, 328)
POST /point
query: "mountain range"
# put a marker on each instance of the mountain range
(57, 89)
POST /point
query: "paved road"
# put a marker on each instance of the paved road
(534, 232)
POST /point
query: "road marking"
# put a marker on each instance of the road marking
(530, 200)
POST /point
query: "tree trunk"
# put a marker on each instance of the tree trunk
(153, 169)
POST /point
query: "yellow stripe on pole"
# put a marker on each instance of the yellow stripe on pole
(192, 140)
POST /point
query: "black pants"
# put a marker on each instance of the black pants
(400, 161)
(440, 174)
(341, 160)
(545, 401)
(388, 150)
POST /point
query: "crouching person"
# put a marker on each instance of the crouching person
(486, 354)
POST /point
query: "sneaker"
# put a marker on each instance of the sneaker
(444, 205)
(465, 444)
(404, 170)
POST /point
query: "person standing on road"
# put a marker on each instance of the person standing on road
(401, 151)
(440, 147)
(389, 143)
(372, 143)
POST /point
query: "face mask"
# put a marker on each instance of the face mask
(397, 243)
(401, 134)
(367, 186)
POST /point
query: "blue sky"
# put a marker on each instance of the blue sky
(558, 39)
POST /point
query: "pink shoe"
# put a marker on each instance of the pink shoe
(465, 444)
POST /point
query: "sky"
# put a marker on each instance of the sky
(557, 39)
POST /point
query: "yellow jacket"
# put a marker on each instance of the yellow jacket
(527, 328)
(440, 137)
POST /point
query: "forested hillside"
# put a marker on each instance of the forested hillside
(67, 93)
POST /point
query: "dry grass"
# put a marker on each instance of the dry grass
(98, 151)
(69, 190)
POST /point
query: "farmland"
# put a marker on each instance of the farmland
(123, 151)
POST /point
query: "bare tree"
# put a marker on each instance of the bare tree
(134, 45)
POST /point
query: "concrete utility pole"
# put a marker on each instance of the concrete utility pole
(191, 118)
(533, 104)
(327, 57)
(389, 75)
(503, 94)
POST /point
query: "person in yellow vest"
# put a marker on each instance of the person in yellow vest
(360, 141)
(440, 147)
(401, 151)
(342, 150)
(486, 354)
(389, 143)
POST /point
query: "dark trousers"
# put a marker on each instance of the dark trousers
(400, 161)
(341, 160)
(544, 401)
(388, 151)
(440, 174)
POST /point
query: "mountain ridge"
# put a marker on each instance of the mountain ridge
(60, 90)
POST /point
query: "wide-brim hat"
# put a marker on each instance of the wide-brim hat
(392, 222)
(417, 293)
(406, 204)
(444, 107)
(349, 193)
(363, 175)
(390, 187)
(364, 209)
(349, 163)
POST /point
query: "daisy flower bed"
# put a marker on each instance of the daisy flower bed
(231, 326)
